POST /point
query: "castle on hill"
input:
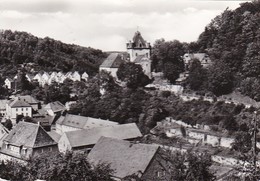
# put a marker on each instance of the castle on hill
(139, 52)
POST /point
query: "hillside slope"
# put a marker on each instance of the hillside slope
(232, 40)
(21, 49)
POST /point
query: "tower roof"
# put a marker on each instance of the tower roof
(138, 40)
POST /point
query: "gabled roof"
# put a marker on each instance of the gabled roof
(55, 106)
(91, 136)
(82, 122)
(29, 99)
(29, 135)
(18, 103)
(124, 157)
(114, 60)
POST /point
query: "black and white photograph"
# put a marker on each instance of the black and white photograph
(129, 90)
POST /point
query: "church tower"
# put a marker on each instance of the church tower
(140, 52)
(138, 47)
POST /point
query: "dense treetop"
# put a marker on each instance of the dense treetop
(232, 41)
(17, 48)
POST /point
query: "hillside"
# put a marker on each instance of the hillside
(232, 41)
(21, 49)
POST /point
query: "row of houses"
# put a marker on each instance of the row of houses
(125, 157)
(48, 78)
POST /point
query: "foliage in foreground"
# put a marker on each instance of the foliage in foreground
(56, 167)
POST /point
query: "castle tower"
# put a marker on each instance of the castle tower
(140, 52)
(138, 47)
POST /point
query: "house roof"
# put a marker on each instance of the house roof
(114, 60)
(18, 103)
(124, 157)
(91, 136)
(29, 99)
(55, 106)
(54, 135)
(29, 135)
(82, 122)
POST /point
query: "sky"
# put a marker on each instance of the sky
(109, 24)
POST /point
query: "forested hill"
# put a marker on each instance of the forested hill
(232, 40)
(21, 49)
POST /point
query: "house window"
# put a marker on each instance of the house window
(22, 109)
(26, 109)
(50, 148)
(16, 109)
(160, 174)
(26, 114)
(136, 54)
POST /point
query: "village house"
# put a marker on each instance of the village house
(71, 122)
(3, 107)
(127, 158)
(75, 76)
(10, 83)
(84, 76)
(17, 107)
(26, 140)
(30, 100)
(202, 57)
(54, 108)
(84, 140)
(112, 63)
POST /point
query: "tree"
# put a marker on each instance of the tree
(197, 76)
(220, 79)
(8, 124)
(166, 57)
(189, 166)
(243, 142)
(58, 167)
(133, 75)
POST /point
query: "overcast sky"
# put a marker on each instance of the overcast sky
(109, 24)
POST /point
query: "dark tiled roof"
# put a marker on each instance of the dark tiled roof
(29, 135)
(124, 157)
(29, 99)
(19, 103)
(114, 60)
(82, 122)
(91, 136)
